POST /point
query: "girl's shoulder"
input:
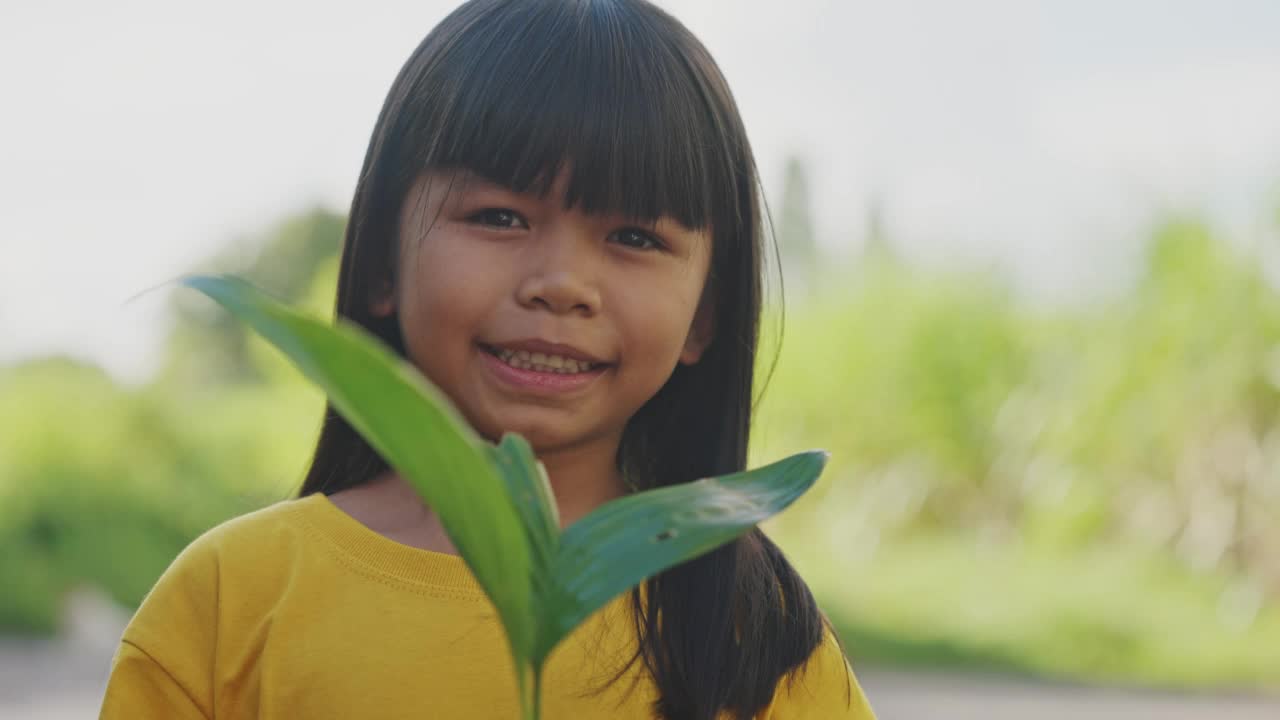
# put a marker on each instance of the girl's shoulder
(247, 551)
(231, 567)
(266, 532)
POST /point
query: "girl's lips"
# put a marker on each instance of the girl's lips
(542, 382)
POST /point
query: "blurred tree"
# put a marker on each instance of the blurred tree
(207, 345)
(876, 246)
(796, 241)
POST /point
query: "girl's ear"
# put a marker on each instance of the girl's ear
(700, 332)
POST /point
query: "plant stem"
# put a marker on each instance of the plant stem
(537, 693)
(531, 702)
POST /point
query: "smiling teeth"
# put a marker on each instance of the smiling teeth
(540, 362)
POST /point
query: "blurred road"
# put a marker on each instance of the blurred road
(63, 679)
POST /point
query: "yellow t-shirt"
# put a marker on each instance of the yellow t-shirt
(300, 611)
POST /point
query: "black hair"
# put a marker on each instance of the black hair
(628, 102)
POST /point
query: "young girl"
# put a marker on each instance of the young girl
(557, 222)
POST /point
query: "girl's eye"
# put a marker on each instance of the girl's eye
(498, 218)
(637, 239)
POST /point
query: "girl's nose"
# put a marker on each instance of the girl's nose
(560, 278)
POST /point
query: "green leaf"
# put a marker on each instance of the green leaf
(624, 541)
(530, 489)
(413, 426)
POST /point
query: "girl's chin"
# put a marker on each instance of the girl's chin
(539, 434)
(546, 438)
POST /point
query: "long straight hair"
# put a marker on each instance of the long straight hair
(622, 97)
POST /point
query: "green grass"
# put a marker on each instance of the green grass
(1105, 615)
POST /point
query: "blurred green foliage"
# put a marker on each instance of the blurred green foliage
(209, 345)
(1089, 491)
(1151, 419)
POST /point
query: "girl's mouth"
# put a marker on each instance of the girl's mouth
(542, 362)
(537, 373)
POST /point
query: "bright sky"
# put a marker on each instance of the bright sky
(139, 135)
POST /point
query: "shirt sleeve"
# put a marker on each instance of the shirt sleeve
(140, 687)
(163, 667)
(825, 689)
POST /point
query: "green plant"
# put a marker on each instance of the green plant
(495, 502)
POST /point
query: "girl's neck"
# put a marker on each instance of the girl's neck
(582, 479)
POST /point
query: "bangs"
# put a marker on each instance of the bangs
(589, 87)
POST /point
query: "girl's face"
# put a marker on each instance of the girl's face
(539, 320)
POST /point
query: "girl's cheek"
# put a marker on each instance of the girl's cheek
(658, 315)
